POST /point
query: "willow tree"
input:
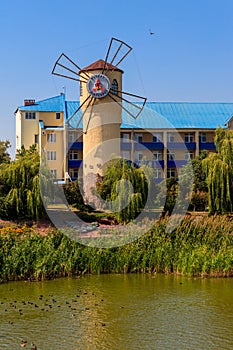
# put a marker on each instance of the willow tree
(219, 171)
(124, 188)
(4, 155)
(20, 186)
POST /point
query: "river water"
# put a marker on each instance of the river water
(118, 312)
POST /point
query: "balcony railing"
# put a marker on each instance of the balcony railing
(149, 145)
(74, 163)
(151, 163)
(126, 146)
(209, 146)
(176, 163)
(181, 145)
(75, 145)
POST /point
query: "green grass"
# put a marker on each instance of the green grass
(198, 247)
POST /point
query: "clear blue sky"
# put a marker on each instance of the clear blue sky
(190, 57)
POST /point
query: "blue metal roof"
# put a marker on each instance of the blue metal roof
(155, 115)
(179, 115)
(53, 104)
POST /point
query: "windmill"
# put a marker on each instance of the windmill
(101, 103)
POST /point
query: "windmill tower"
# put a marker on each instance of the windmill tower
(101, 103)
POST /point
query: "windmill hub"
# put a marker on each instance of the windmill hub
(98, 85)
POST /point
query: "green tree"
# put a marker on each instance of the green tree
(20, 186)
(4, 155)
(125, 189)
(167, 195)
(73, 194)
(218, 168)
(199, 200)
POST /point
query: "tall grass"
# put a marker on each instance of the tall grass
(198, 247)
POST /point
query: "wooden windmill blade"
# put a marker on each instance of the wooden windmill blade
(99, 85)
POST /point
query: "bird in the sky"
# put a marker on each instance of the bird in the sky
(151, 33)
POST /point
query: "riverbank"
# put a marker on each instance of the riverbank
(197, 247)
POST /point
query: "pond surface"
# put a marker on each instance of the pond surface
(118, 312)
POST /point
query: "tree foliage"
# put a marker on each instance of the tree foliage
(125, 189)
(73, 194)
(4, 155)
(20, 186)
(199, 200)
(218, 168)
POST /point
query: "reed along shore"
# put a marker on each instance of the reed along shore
(197, 247)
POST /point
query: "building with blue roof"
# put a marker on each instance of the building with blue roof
(165, 135)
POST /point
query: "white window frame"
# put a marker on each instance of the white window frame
(51, 155)
(170, 156)
(139, 156)
(54, 173)
(189, 155)
(30, 115)
(189, 137)
(170, 137)
(157, 155)
(126, 155)
(125, 137)
(202, 137)
(52, 138)
(158, 174)
(73, 155)
(72, 173)
(138, 137)
(72, 136)
(114, 87)
(157, 137)
(171, 172)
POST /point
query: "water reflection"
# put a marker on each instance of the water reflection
(118, 312)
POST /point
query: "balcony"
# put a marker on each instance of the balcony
(182, 145)
(74, 163)
(75, 146)
(209, 146)
(151, 163)
(176, 163)
(149, 145)
(126, 146)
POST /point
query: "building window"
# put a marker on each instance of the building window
(138, 156)
(30, 115)
(157, 137)
(36, 139)
(170, 137)
(51, 137)
(188, 155)
(157, 155)
(73, 155)
(158, 174)
(72, 136)
(171, 172)
(51, 155)
(202, 137)
(138, 138)
(125, 155)
(189, 137)
(125, 137)
(170, 156)
(54, 173)
(114, 89)
(58, 115)
(73, 173)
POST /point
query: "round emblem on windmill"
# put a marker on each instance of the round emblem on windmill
(98, 85)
